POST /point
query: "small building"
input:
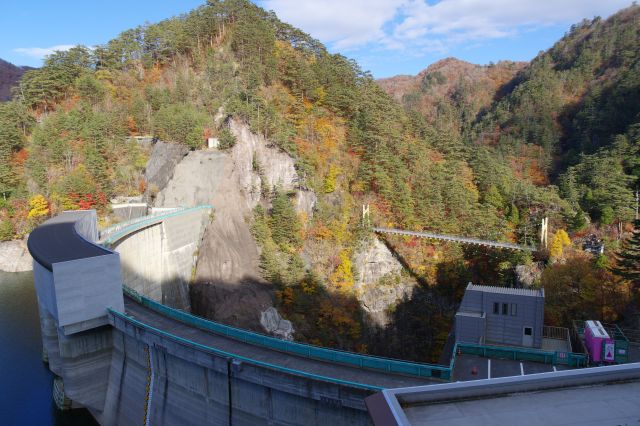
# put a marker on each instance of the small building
(76, 280)
(500, 316)
(213, 143)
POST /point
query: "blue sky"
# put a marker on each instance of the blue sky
(387, 37)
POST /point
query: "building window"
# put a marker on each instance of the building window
(528, 331)
(514, 310)
(505, 309)
(496, 308)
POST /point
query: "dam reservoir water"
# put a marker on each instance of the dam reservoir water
(25, 381)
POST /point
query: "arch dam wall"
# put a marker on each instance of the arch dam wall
(130, 359)
(158, 253)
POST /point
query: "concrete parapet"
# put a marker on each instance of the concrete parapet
(158, 254)
(193, 386)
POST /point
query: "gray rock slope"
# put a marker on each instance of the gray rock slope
(228, 286)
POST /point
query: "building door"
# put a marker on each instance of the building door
(527, 336)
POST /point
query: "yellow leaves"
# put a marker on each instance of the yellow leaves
(38, 207)
(320, 94)
(330, 180)
(342, 277)
(558, 243)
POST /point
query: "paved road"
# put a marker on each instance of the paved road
(321, 368)
(487, 368)
(463, 240)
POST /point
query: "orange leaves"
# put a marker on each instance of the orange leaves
(20, 157)
(528, 165)
(337, 318)
(131, 125)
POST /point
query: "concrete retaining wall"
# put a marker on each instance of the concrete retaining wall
(192, 386)
(158, 259)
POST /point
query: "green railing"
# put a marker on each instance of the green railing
(138, 224)
(230, 356)
(615, 332)
(299, 349)
(121, 225)
(520, 354)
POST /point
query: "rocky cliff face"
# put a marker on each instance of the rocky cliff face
(380, 284)
(14, 257)
(228, 286)
(164, 158)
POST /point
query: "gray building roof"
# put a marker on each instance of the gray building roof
(506, 290)
(592, 396)
(57, 240)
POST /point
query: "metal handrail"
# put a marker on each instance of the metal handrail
(229, 355)
(455, 239)
(294, 348)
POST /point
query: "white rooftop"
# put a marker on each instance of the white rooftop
(506, 290)
(591, 396)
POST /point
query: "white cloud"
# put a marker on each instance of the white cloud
(41, 52)
(417, 25)
(458, 21)
(343, 23)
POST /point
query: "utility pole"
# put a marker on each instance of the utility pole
(637, 202)
(544, 231)
(366, 215)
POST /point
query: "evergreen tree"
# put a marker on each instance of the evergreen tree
(628, 260)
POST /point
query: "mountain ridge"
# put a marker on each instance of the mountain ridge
(9, 75)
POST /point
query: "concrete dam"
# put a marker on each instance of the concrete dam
(118, 335)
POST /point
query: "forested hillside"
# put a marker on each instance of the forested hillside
(451, 93)
(472, 168)
(9, 76)
(569, 122)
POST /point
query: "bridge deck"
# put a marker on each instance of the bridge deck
(258, 353)
(462, 240)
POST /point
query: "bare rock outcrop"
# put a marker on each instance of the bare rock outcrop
(275, 324)
(255, 159)
(164, 158)
(228, 286)
(14, 257)
(380, 284)
(529, 274)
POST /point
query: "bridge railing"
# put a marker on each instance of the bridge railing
(519, 354)
(119, 316)
(453, 238)
(299, 349)
(120, 230)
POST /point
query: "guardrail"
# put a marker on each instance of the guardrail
(520, 354)
(188, 343)
(298, 349)
(135, 224)
(452, 238)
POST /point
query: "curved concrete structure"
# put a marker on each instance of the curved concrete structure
(155, 364)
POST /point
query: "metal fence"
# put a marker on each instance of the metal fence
(119, 316)
(117, 232)
(298, 349)
(520, 354)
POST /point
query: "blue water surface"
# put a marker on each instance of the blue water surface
(25, 381)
